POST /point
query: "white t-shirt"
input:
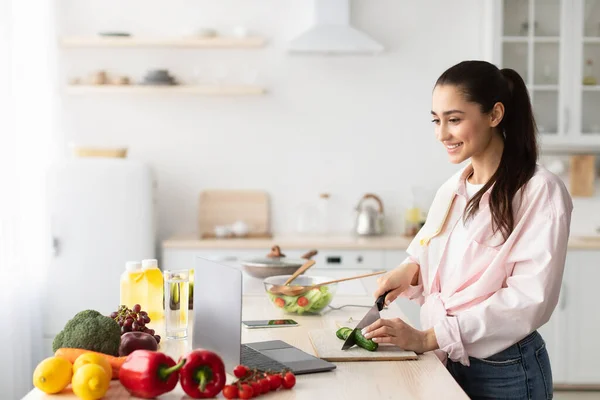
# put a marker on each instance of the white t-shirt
(458, 241)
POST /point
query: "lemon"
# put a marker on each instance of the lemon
(90, 382)
(92, 358)
(52, 375)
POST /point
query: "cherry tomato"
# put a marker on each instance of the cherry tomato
(302, 301)
(240, 371)
(246, 391)
(274, 381)
(230, 392)
(289, 380)
(279, 302)
(256, 388)
(265, 385)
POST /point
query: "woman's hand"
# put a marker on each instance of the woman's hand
(401, 334)
(397, 280)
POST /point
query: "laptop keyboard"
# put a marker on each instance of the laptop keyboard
(253, 359)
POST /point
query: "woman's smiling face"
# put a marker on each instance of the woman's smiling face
(460, 125)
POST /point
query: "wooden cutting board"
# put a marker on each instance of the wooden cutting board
(225, 207)
(328, 347)
(582, 175)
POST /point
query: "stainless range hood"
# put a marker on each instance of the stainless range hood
(332, 32)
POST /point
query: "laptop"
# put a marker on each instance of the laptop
(218, 325)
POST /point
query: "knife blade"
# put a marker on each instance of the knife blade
(371, 316)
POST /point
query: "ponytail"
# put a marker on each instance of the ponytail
(483, 83)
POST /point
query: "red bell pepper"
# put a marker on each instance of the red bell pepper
(203, 374)
(148, 374)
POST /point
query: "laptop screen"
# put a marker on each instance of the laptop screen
(218, 310)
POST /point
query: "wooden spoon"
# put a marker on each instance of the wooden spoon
(299, 271)
(297, 289)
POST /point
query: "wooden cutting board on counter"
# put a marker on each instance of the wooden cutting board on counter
(329, 347)
(225, 207)
(582, 173)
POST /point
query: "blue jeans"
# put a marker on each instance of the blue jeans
(522, 371)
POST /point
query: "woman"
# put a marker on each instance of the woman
(488, 263)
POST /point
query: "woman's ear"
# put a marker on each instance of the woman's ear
(496, 115)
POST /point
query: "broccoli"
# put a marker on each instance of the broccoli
(90, 330)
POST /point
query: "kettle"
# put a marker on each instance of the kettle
(369, 220)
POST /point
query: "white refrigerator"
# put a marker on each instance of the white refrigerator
(101, 215)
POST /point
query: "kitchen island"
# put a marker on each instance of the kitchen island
(425, 378)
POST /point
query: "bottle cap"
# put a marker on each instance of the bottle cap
(149, 264)
(133, 265)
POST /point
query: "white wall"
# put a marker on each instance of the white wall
(345, 125)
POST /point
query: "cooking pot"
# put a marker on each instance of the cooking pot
(275, 263)
(369, 220)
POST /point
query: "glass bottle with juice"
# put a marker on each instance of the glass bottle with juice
(154, 282)
(132, 286)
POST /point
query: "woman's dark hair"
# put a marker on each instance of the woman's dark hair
(483, 83)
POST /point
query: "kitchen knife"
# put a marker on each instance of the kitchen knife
(371, 316)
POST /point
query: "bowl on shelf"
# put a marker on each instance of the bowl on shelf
(313, 301)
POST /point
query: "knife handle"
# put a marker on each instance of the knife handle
(381, 299)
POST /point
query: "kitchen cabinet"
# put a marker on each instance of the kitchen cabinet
(555, 46)
(326, 258)
(571, 333)
(100, 214)
(582, 318)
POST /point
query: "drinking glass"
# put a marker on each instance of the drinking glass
(177, 291)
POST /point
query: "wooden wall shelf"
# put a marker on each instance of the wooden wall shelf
(110, 41)
(211, 90)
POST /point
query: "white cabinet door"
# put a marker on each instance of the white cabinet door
(583, 317)
(553, 333)
(554, 46)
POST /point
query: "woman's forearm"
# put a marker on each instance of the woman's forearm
(414, 269)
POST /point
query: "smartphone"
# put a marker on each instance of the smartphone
(269, 323)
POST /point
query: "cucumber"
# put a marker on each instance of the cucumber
(365, 343)
(361, 341)
(343, 333)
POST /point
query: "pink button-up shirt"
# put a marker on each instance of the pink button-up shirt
(503, 290)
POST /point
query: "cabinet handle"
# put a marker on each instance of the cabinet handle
(567, 120)
(563, 296)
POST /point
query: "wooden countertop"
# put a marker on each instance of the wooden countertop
(425, 378)
(334, 242)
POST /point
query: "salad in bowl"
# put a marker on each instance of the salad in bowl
(312, 301)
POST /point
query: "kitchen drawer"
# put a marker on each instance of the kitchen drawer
(365, 259)
(350, 259)
(186, 258)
